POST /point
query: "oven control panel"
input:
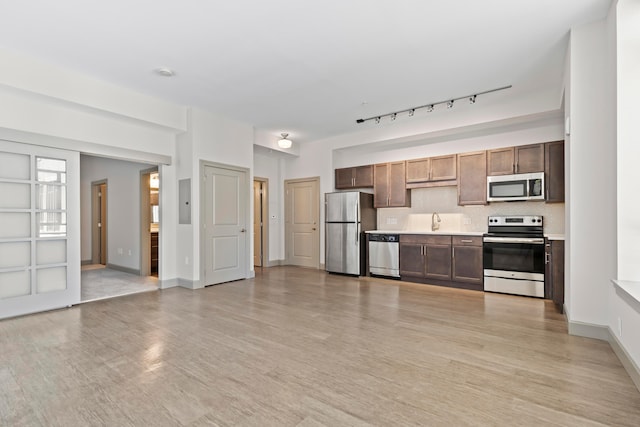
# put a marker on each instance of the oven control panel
(516, 220)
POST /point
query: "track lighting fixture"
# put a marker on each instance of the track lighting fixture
(284, 142)
(429, 107)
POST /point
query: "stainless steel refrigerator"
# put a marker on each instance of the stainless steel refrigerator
(347, 216)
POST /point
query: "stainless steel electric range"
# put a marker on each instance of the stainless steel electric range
(514, 255)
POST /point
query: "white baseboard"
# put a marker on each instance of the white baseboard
(124, 269)
(189, 284)
(605, 333)
(166, 284)
(275, 263)
(629, 365)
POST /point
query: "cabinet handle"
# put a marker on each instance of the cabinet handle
(546, 258)
(453, 253)
(517, 167)
(466, 241)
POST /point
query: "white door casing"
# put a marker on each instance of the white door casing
(225, 231)
(39, 228)
(302, 217)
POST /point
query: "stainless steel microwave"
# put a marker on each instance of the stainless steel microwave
(523, 186)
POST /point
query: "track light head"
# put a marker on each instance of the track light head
(472, 99)
(430, 108)
(450, 104)
(412, 112)
(393, 116)
(378, 119)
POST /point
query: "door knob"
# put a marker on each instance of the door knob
(243, 230)
(313, 228)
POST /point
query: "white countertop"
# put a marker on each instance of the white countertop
(629, 287)
(438, 232)
(554, 236)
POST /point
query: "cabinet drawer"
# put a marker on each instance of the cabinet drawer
(467, 240)
(425, 239)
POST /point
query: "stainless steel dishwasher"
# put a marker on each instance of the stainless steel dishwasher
(384, 255)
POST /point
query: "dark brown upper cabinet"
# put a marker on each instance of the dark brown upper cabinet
(389, 185)
(510, 160)
(354, 177)
(472, 178)
(554, 171)
(432, 172)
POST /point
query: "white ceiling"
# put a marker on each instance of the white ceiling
(307, 67)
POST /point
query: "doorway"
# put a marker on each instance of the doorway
(149, 222)
(225, 216)
(302, 217)
(99, 222)
(260, 222)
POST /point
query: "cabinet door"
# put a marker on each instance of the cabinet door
(438, 263)
(554, 171)
(530, 158)
(443, 168)
(412, 259)
(472, 178)
(381, 185)
(399, 196)
(467, 264)
(418, 170)
(363, 176)
(501, 161)
(557, 273)
(344, 178)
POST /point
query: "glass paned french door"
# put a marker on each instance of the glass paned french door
(39, 229)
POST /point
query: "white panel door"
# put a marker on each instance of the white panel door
(225, 228)
(39, 229)
(302, 201)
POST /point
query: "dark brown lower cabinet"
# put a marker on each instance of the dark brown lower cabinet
(554, 273)
(467, 259)
(454, 261)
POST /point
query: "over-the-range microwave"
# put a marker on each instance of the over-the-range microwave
(508, 188)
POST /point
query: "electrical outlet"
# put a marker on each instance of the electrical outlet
(186, 260)
(129, 252)
(120, 252)
(620, 327)
(466, 220)
(392, 221)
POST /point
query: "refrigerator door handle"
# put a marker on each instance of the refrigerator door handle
(356, 220)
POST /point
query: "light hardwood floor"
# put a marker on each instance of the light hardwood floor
(298, 347)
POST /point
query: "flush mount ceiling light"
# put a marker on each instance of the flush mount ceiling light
(429, 107)
(165, 72)
(284, 142)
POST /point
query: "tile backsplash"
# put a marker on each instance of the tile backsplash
(444, 201)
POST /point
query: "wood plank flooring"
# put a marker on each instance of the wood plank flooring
(299, 347)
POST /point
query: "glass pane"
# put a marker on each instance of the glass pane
(51, 279)
(15, 196)
(52, 197)
(15, 166)
(15, 284)
(15, 225)
(51, 224)
(51, 252)
(15, 254)
(48, 176)
(43, 163)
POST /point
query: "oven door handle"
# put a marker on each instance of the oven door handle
(532, 240)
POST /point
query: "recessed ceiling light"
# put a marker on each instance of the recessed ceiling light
(165, 72)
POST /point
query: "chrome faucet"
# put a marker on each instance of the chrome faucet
(435, 225)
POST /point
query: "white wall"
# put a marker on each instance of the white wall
(123, 208)
(591, 233)
(216, 139)
(271, 165)
(624, 312)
